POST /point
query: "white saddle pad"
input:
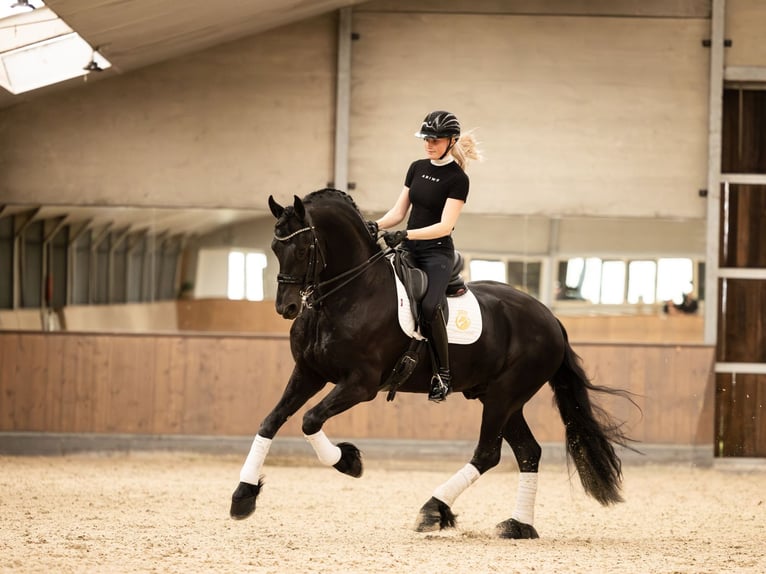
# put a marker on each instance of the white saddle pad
(464, 324)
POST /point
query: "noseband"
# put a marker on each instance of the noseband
(310, 281)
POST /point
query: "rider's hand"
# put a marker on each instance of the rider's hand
(394, 238)
(372, 227)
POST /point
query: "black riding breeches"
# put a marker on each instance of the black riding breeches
(436, 258)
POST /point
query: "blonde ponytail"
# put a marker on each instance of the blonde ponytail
(466, 149)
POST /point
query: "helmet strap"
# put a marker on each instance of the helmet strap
(452, 143)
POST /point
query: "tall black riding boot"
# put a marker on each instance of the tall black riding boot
(441, 382)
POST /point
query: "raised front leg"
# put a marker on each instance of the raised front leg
(344, 456)
(301, 387)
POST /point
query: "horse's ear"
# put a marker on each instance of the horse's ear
(300, 211)
(275, 208)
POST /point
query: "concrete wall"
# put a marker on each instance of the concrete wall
(224, 127)
(578, 115)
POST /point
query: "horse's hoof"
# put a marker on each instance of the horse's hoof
(350, 462)
(512, 528)
(435, 515)
(243, 499)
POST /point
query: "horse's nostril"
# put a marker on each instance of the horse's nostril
(291, 311)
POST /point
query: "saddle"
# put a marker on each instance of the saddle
(415, 283)
(415, 280)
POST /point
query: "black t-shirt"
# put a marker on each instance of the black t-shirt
(430, 187)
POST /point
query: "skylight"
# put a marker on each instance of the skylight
(37, 48)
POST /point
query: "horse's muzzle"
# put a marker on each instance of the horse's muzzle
(289, 311)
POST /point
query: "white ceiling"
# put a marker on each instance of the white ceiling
(137, 33)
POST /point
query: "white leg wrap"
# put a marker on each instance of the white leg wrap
(328, 453)
(454, 487)
(251, 470)
(525, 498)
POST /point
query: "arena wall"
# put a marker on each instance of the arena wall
(224, 386)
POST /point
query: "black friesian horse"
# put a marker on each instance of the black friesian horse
(336, 283)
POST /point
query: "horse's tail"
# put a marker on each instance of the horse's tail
(590, 432)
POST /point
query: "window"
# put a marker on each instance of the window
(487, 270)
(674, 278)
(522, 274)
(642, 278)
(245, 275)
(617, 281)
(613, 282)
(37, 48)
(234, 274)
(526, 276)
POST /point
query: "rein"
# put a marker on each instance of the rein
(307, 292)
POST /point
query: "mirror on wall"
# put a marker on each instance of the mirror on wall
(170, 270)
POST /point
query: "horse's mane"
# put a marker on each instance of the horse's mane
(330, 194)
(334, 202)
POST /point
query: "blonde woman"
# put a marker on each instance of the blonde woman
(436, 189)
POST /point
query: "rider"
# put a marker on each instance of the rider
(436, 188)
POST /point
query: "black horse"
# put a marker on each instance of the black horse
(335, 282)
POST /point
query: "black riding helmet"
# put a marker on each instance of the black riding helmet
(440, 124)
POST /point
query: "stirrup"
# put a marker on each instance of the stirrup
(440, 386)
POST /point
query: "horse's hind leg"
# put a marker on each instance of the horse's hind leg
(437, 512)
(527, 452)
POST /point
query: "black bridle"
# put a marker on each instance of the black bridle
(310, 282)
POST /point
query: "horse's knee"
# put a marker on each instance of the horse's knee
(483, 460)
(311, 423)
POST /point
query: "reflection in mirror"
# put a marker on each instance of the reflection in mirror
(123, 269)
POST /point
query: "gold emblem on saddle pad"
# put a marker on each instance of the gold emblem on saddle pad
(462, 320)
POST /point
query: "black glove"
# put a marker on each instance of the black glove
(394, 238)
(372, 227)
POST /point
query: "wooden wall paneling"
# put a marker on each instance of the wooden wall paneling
(168, 389)
(742, 324)
(29, 398)
(752, 397)
(8, 355)
(95, 385)
(262, 369)
(199, 386)
(131, 384)
(55, 362)
(241, 386)
(457, 419)
(678, 396)
(226, 386)
(701, 373)
(743, 137)
(543, 417)
(7, 368)
(728, 434)
(740, 417)
(638, 374)
(68, 380)
(746, 225)
(610, 367)
(223, 372)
